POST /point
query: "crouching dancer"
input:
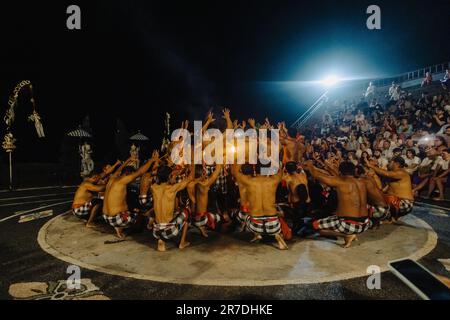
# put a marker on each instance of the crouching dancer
(85, 205)
(262, 218)
(378, 208)
(399, 195)
(351, 216)
(198, 191)
(169, 223)
(115, 207)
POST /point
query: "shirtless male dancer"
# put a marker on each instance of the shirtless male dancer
(399, 195)
(168, 221)
(115, 207)
(85, 205)
(293, 149)
(246, 169)
(351, 216)
(298, 197)
(198, 190)
(378, 208)
(145, 197)
(262, 218)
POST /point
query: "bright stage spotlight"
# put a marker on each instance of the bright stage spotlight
(331, 81)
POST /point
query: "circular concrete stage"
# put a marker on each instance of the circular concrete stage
(230, 260)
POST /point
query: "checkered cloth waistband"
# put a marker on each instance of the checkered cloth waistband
(242, 216)
(122, 220)
(172, 229)
(379, 212)
(207, 218)
(399, 207)
(345, 225)
(81, 210)
(263, 225)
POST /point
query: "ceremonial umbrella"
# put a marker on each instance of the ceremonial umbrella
(139, 137)
(79, 133)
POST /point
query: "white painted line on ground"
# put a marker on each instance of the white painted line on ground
(39, 208)
(38, 188)
(35, 216)
(31, 202)
(423, 204)
(37, 196)
(446, 263)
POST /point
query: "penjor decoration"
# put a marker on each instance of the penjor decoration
(166, 137)
(134, 152)
(10, 115)
(36, 118)
(87, 164)
(8, 140)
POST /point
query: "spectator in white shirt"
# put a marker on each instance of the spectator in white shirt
(359, 117)
(445, 133)
(445, 82)
(371, 89)
(440, 176)
(412, 161)
(396, 93)
(363, 148)
(353, 144)
(381, 161)
(387, 150)
(392, 88)
(409, 144)
(425, 170)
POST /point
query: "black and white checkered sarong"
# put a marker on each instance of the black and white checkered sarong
(82, 211)
(406, 206)
(207, 218)
(242, 216)
(345, 225)
(122, 220)
(172, 229)
(380, 213)
(263, 225)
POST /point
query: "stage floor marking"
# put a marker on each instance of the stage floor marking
(31, 210)
(229, 260)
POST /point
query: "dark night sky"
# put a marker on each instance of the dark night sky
(138, 59)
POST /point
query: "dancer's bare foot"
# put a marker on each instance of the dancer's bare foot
(120, 234)
(256, 238)
(183, 245)
(438, 199)
(161, 246)
(203, 231)
(281, 244)
(348, 240)
(90, 225)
